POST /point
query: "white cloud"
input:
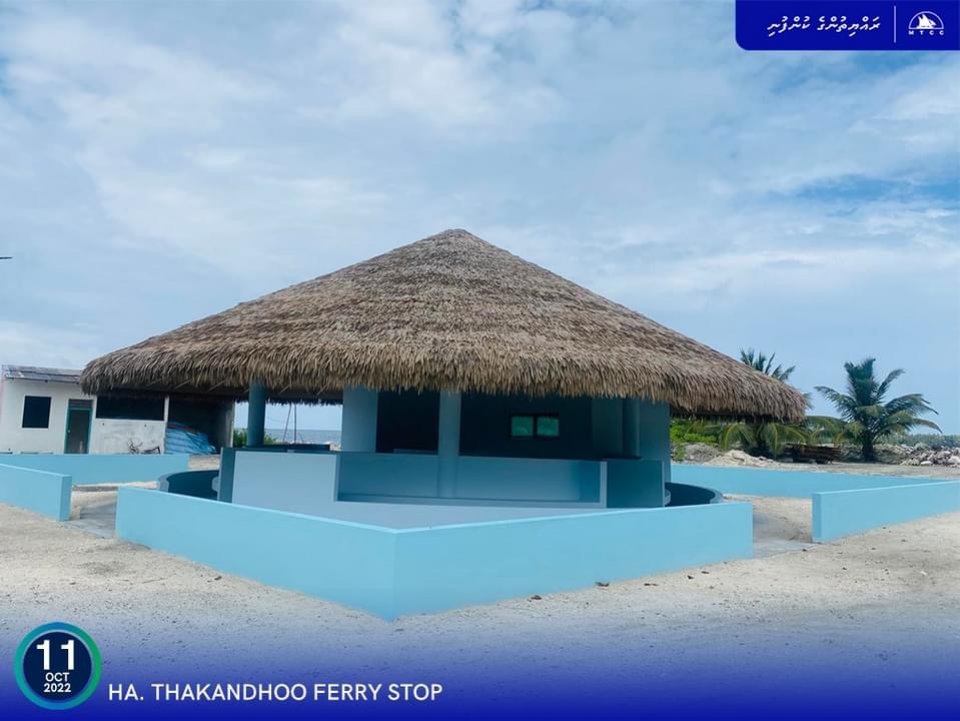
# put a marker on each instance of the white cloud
(672, 171)
(33, 344)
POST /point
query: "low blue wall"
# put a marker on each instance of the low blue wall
(38, 491)
(94, 468)
(635, 483)
(843, 503)
(348, 563)
(399, 474)
(198, 484)
(507, 480)
(543, 480)
(790, 484)
(841, 513)
(390, 572)
(453, 566)
(295, 482)
(682, 494)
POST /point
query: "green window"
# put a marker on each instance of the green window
(521, 426)
(548, 426)
(542, 425)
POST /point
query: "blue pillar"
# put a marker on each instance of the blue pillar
(256, 414)
(631, 427)
(448, 444)
(654, 427)
(358, 429)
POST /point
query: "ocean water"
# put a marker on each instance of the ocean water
(305, 435)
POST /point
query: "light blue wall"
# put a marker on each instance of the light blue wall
(492, 479)
(306, 483)
(90, 469)
(843, 503)
(456, 566)
(38, 491)
(530, 479)
(189, 483)
(295, 482)
(344, 562)
(790, 484)
(841, 513)
(393, 572)
(394, 474)
(635, 483)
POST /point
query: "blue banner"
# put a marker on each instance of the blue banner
(848, 24)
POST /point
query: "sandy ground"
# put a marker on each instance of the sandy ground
(904, 579)
(862, 469)
(892, 589)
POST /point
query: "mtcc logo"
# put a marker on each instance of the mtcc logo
(925, 23)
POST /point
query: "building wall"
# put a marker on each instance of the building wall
(121, 436)
(407, 421)
(492, 466)
(107, 435)
(485, 427)
(606, 426)
(590, 428)
(16, 439)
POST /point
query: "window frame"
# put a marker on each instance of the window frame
(536, 425)
(23, 416)
(535, 418)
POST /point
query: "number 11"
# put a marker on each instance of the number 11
(45, 647)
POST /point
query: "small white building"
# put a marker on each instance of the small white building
(43, 410)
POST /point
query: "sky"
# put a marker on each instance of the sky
(161, 162)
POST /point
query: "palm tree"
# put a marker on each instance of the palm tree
(759, 362)
(767, 438)
(867, 419)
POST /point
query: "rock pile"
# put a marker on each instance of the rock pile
(919, 455)
(699, 452)
(739, 458)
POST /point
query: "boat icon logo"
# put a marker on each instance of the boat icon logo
(925, 23)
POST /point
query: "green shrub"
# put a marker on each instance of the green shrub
(683, 431)
(240, 438)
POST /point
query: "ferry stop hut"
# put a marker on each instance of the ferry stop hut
(477, 388)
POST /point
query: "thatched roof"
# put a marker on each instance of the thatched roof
(449, 312)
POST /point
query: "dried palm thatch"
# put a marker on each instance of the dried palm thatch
(450, 312)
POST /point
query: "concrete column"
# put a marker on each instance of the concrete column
(654, 425)
(448, 444)
(606, 426)
(358, 429)
(256, 414)
(631, 427)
